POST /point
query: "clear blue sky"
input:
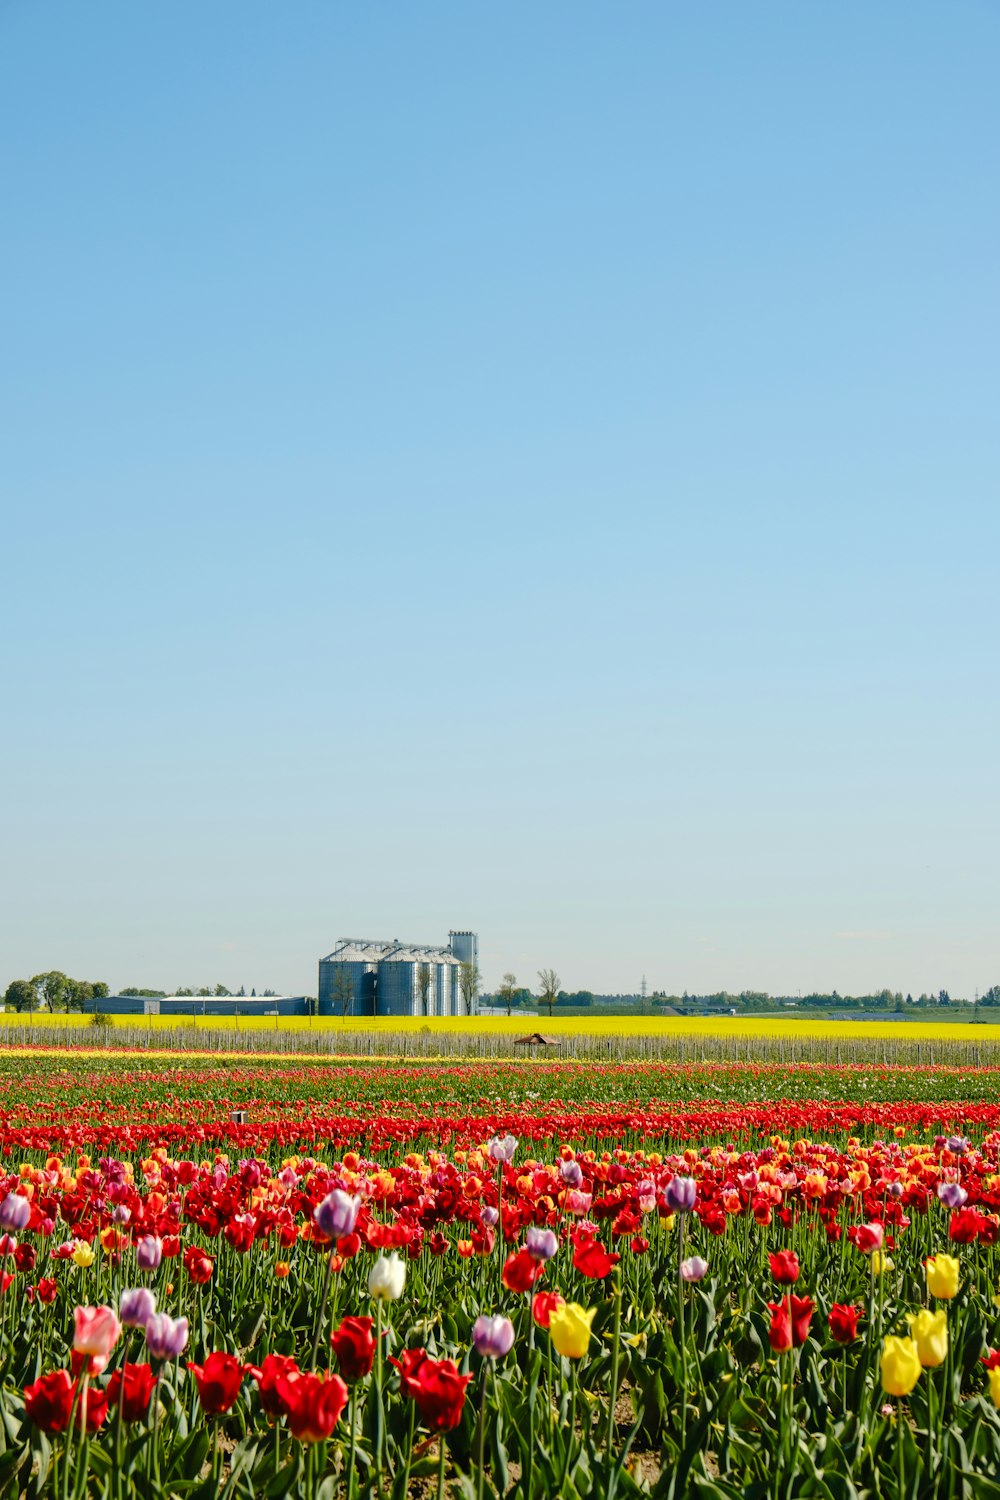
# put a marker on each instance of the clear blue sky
(527, 467)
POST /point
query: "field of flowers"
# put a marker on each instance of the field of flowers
(252, 1276)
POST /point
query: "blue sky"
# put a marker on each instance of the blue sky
(525, 468)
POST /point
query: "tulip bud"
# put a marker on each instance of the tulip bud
(387, 1278)
(149, 1252)
(15, 1212)
(137, 1307)
(680, 1194)
(493, 1337)
(541, 1243)
(337, 1215)
(166, 1337)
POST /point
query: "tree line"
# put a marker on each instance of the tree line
(53, 991)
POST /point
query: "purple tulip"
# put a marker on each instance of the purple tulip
(952, 1194)
(137, 1307)
(895, 1190)
(15, 1212)
(166, 1337)
(680, 1194)
(493, 1337)
(958, 1144)
(337, 1215)
(489, 1216)
(571, 1172)
(541, 1243)
(121, 1213)
(149, 1252)
(502, 1147)
(694, 1268)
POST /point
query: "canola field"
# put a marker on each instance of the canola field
(556, 1026)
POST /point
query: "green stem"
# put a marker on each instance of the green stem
(480, 1435)
(322, 1309)
(378, 1395)
(441, 1462)
(354, 1439)
(409, 1451)
(571, 1430)
(680, 1326)
(615, 1356)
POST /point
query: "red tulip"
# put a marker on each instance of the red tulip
(354, 1348)
(521, 1272)
(219, 1380)
(784, 1267)
(843, 1321)
(313, 1403)
(543, 1305)
(802, 1311)
(267, 1374)
(779, 1334)
(866, 1237)
(198, 1264)
(435, 1386)
(132, 1386)
(591, 1258)
(49, 1401)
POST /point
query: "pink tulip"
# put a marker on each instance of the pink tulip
(96, 1333)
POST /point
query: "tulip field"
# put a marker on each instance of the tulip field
(240, 1275)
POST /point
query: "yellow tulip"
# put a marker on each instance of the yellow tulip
(929, 1331)
(569, 1328)
(880, 1262)
(82, 1254)
(943, 1276)
(994, 1375)
(900, 1366)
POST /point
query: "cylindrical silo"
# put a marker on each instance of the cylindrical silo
(465, 946)
(349, 984)
(397, 987)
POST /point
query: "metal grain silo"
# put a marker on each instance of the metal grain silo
(465, 946)
(397, 987)
(440, 990)
(347, 976)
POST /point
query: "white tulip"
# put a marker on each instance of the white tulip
(387, 1278)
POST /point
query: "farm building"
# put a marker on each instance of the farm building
(362, 977)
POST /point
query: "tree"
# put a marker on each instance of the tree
(342, 991)
(507, 991)
(78, 993)
(423, 987)
(51, 989)
(100, 990)
(21, 994)
(548, 983)
(468, 982)
(221, 991)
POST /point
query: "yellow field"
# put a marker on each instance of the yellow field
(653, 1026)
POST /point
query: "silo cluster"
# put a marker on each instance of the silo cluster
(362, 977)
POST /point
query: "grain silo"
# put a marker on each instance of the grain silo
(363, 977)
